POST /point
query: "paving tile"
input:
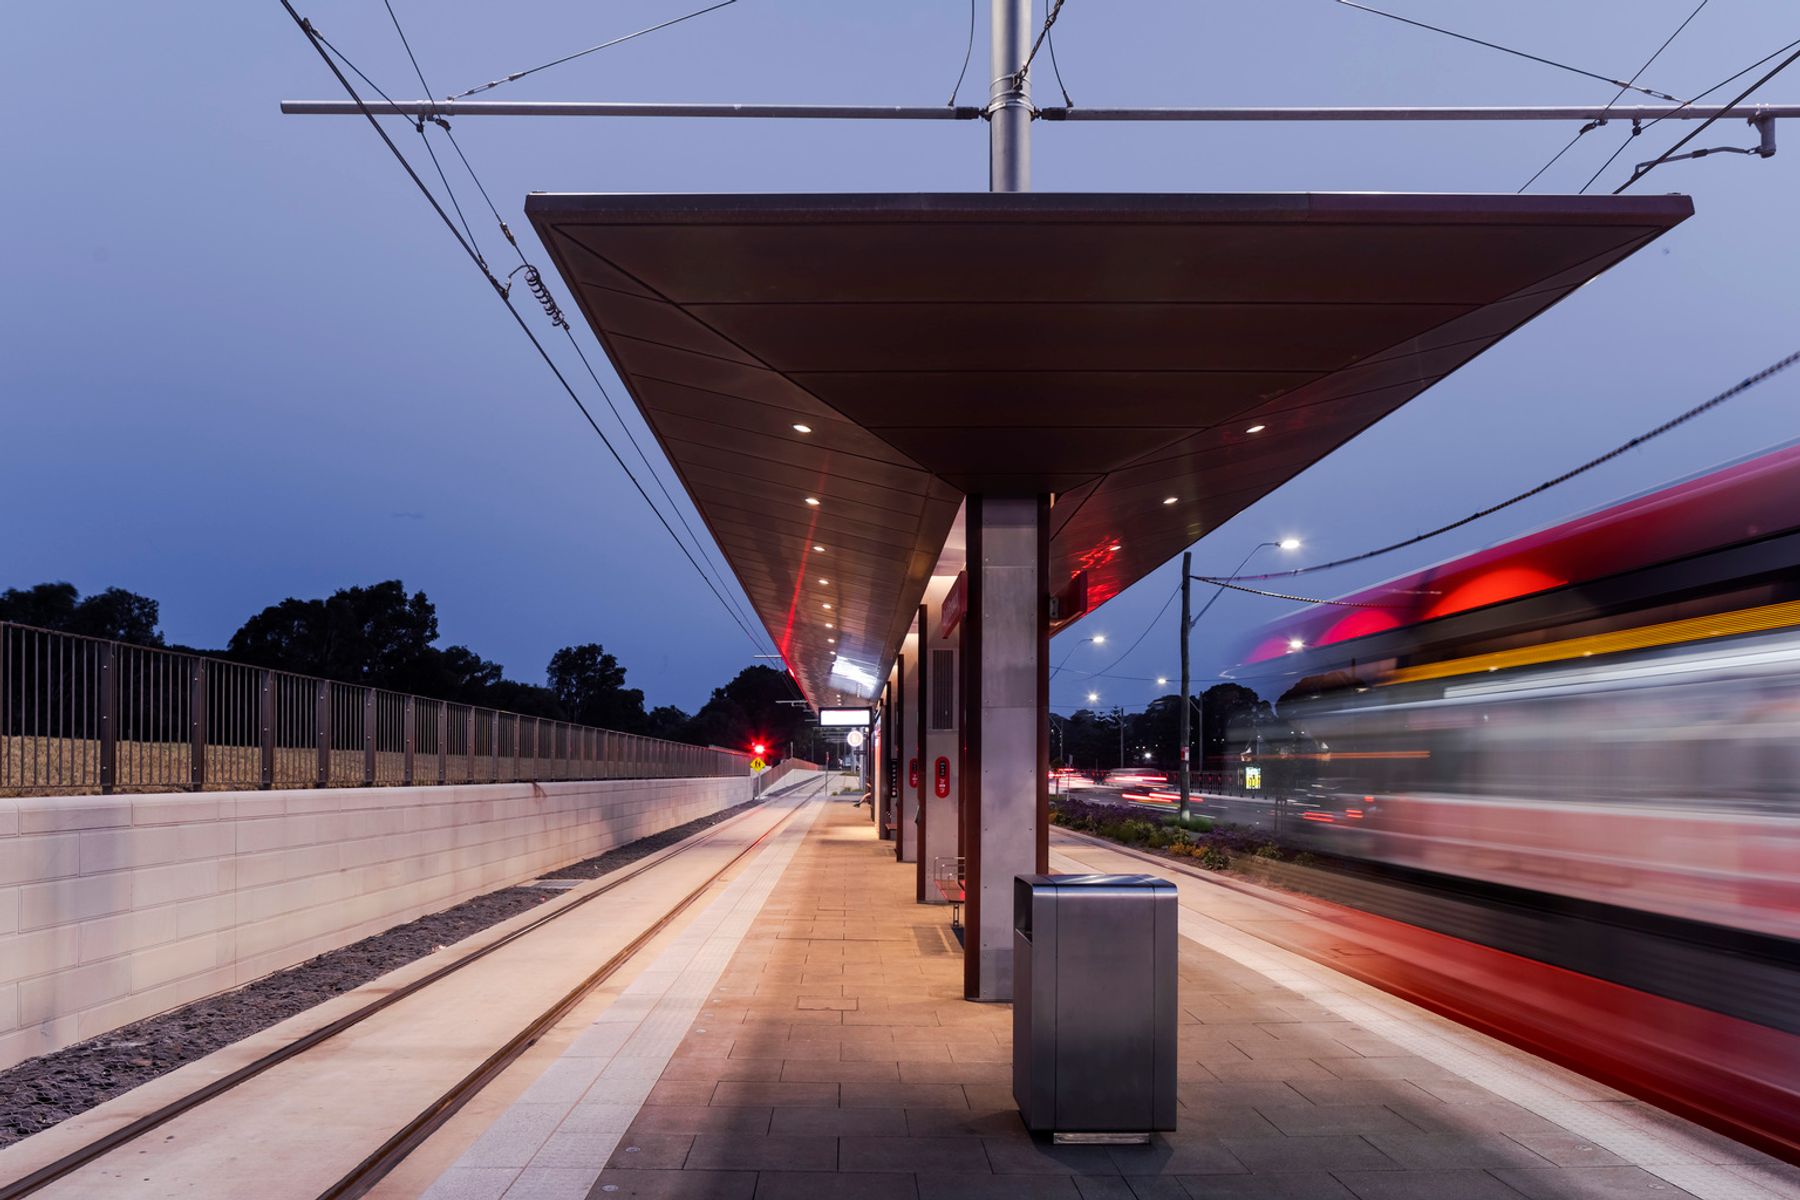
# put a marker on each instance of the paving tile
(906, 1095)
(1426, 1185)
(1281, 1185)
(777, 1095)
(1326, 1153)
(1176, 1156)
(1499, 1117)
(670, 1091)
(651, 1152)
(701, 1118)
(840, 1122)
(1231, 1095)
(1310, 1120)
(997, 1187)
(950, 1122)
(1216, 1122)
(1587, 1183)
(757, 1152)
(674, 1185)
(1258, 1070)
(474, 1183)
(1114, 1187)
(956, 1072)
(834, 1071)
(812, 1185)
(1397, 1067)
(1568, 1150)
(1023, 1154)
(712, 1070)
(1430, 1151)
(1361, 1091)
(890, 1051)
(917, 1154)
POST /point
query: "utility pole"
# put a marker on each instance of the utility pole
(1187, 574)
(1119, 716)
(1009, 98)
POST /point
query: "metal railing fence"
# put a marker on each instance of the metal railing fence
(81, 715)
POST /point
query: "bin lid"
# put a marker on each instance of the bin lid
(1111, 882)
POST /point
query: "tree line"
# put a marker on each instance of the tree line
(1089, 739)
(383, 636)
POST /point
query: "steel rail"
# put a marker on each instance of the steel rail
(362, 1178)
(97, 1149)
(902, 112)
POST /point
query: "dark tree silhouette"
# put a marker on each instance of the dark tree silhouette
(114, 613)
(590, 684)
(750, 708)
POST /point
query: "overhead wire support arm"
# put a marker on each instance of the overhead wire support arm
(938, 112)
(607, 108)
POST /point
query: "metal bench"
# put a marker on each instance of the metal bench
(947, 877)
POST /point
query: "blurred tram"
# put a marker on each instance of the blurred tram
(1582, 747)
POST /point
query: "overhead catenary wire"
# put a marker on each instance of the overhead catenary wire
(1601, 119)
(500, 291)
(1637, 129)
(1537, 58)
(1645, 168)
(557, 62)
(1736, 389)
(534, 282)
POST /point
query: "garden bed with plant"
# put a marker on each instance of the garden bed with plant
(1198, 841)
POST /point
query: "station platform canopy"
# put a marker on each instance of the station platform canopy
(830, 374)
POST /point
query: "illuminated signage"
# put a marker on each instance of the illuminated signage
(838, 718)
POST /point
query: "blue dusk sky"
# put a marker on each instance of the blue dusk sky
(240, 359)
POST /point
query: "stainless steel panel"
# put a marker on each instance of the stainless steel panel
(1094, 1008)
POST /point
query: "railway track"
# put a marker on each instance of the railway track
(413, 1133)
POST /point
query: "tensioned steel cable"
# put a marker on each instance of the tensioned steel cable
(1018, 79)
(1537, 58)
(967, 51)
(1736, 389)
(1601, 119)
(557, 62)
(1644, 169)
(533, 280)
(1635, 131)
(1140, 637)
(319, 44)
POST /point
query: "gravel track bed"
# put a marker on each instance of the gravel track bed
(43, 1091)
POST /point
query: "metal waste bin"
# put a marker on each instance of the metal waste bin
(1094, 979)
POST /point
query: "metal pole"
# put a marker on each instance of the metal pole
(1009, 98)
(1187, 571)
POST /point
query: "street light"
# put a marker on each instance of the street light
(1187, 628)
(1099, 639)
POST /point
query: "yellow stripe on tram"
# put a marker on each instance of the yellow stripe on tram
(1669, 633)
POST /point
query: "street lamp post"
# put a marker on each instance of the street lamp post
(1187, 627)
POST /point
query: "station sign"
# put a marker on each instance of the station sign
(855, 738)
(845, 718)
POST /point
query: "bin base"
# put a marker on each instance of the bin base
(1100, 1139)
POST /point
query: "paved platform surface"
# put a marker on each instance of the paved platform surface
(810, 1042)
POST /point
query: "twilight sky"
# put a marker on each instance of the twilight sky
(241, 360)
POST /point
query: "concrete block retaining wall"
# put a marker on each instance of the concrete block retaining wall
(113, 908)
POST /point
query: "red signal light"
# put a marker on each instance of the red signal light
(759, 749)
